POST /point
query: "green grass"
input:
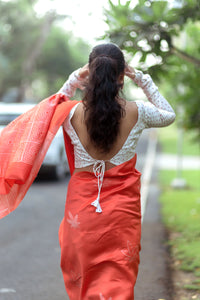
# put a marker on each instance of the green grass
(181, 208)
(181, 214)
(168, 138)
(192, 287)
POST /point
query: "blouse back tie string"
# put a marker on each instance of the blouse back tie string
(99, 170)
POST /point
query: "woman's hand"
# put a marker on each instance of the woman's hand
(130, 72)
(84, 72)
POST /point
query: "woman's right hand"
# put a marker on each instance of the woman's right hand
(130, 72)
(84, 72)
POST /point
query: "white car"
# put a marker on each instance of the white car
(55, 162)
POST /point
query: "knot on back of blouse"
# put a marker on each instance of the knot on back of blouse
(84, 159)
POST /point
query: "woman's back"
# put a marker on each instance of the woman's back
(137, 116)
(127, 122)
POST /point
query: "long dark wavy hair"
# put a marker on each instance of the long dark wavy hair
(102, 103)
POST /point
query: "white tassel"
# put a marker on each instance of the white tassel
(98, 209)
(97, 205)
(96, 202)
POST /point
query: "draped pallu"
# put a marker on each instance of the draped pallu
(23, 146)
(100, 251)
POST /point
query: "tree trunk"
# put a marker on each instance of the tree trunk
(185, 56)
(30, 60)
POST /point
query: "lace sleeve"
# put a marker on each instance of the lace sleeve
(70, 86)
(157, 112)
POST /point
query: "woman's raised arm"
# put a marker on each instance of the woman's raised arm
(73, 82)
(157, 112)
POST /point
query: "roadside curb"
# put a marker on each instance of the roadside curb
(148, 167)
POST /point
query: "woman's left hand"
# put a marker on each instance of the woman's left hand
(84, 72)
(130, 72)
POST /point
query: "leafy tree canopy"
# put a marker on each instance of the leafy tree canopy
(164, 37)
(36, 54)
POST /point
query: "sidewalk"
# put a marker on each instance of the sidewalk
(154, 279)
(172, 162)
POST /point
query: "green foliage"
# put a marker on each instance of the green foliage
(165, 39)
(59, 57)
(168, 137)
(181, 212)
(36, 54)
(17, 21)
(193, 287)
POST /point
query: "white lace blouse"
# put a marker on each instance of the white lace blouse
(155, 113)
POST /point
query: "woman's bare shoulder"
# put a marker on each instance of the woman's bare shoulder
(131, 112)
(131, 104)
(131, 108)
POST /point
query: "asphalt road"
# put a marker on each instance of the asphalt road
(154, 278)
(29, 249)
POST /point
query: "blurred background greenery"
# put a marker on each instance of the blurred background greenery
(163, 36)
(37, 53)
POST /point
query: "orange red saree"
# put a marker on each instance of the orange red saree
(100, 252)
